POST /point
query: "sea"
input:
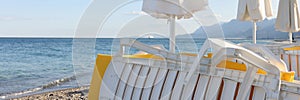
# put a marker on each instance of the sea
(36, 65)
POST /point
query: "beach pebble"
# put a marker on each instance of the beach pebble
(50, 95)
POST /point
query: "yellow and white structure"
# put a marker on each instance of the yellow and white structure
(231, 72)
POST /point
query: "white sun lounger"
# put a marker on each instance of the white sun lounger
(164, 75)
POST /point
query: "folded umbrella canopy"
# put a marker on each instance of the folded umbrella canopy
(254, 10)
(172, 10)
(288, 17)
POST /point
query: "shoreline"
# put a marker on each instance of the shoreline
(80, 93)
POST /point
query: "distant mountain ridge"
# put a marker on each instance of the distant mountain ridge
(243, 30)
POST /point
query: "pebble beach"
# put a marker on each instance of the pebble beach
(66, 94)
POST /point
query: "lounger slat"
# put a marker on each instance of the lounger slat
(159, 81)
(219, 95)
(137, 91)
(168, 85)
(250, 94)
(201, 87)
(131, 83)
(189, 88)
(146, 92)
(286, 60)
(122, 82)
(298, 66)
(228, 90)
(259, 93)
(110, 80)
(236, 92)
(290, 96)
(294, 64)
(178, 88)
(213, 88)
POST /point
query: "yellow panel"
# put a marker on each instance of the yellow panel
(209, 55)
(143, 56)
(288, 76)
(102, 63)
(236, 66)
(189, 54)
(292, 48)
(285, 76)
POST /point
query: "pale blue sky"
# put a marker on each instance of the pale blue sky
(40, 17)
(59, 18)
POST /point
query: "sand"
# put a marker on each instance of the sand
(66, 94)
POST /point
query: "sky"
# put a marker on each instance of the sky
(59, 18)
(40, 18)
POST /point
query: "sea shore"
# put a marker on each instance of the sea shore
(65, 94)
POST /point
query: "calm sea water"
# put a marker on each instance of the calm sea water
(40, 65)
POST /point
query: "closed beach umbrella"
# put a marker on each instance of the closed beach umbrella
(172, 10)
(288, 17)
(254, 10)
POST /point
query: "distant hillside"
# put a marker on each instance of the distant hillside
(242, 29)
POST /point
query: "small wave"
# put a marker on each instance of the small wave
(49, 85)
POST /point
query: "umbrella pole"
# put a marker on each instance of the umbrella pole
(291, 37)
(254, 32)
(172, 34)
